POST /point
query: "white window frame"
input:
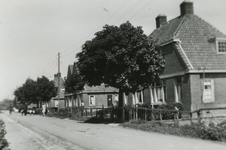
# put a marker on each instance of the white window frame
(212, 99)
(154, 93)
(178, 90)
(218, 47)
(94, 101)
(116, 97)
(215, 44)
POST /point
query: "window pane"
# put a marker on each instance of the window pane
(222, 46)
(92, 100)
(208, 92)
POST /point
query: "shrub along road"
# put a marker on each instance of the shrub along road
(39, 132)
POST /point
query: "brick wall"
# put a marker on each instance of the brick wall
(100, 99)
(173, 62)
(186, 92)
(219, 90)
(170, 96)
(196, 91)
(147, 98)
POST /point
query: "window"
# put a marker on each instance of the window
(178, 89)
(218, 45)
(116, 97)
(208, 91)
(222, 47)
(158, 92)
(91, 100)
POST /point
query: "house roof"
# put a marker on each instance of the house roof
(194, 49)
(100, 88)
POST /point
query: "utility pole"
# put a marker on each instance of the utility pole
(58, 82)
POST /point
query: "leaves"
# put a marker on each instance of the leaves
(122, 57)
(74, 84)
(35, 91)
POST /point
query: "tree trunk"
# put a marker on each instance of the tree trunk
(37, 104)
(121, 104)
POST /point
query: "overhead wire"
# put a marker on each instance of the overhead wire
(129, 10)
(122, 16)
(141, 9)
(94, 30)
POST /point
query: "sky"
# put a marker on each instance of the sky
(33, 32)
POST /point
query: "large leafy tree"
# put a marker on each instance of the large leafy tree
(74, 84)
(35, 91)
(46, 89)
(122, 57)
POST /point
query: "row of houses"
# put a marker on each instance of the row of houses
(194, 75)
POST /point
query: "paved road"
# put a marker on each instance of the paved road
(40, 133)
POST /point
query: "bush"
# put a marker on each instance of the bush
(211, 131)
(3, 141)
(167, 111)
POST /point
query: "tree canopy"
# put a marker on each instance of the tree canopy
(74, 84)
(35, 91)
(122, 57)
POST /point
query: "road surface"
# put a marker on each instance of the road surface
(48, 133)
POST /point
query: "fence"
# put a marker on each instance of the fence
(148, 114)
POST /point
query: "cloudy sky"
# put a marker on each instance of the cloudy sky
(33, 32)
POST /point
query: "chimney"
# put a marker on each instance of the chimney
(186, 8)
(160, 19)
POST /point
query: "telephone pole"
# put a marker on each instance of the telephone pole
(58, 82)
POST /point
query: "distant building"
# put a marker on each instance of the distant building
(54, 100)
(90, 97)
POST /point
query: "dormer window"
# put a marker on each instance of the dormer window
(222, 47)
(218, 45)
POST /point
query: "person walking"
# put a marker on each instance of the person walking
(10, 108)
(44, 109)
(25, 109)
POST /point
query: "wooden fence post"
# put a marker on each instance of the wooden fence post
(91, 111)
(102, 111)
(191, 117)
(86, 111)
(81, 111)
(160, 115)
(199, 116)
(176, 118)
(130, 113)
(133, 113)
(152, 115)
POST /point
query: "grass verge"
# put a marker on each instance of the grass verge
(210, 131)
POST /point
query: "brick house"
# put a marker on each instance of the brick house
(195, 54)
(90, 97)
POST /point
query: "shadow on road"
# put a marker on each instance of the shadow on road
(102, 120)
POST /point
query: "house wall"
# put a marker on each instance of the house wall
(170, 95)
(52, 103)
(186, 92)
(147, 97)
(100, 99)
(219, 90)
(62, 104)
(173, 62)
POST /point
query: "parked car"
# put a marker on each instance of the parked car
(15, 109)
(30, 111)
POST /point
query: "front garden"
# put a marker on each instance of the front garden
(208, 131)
